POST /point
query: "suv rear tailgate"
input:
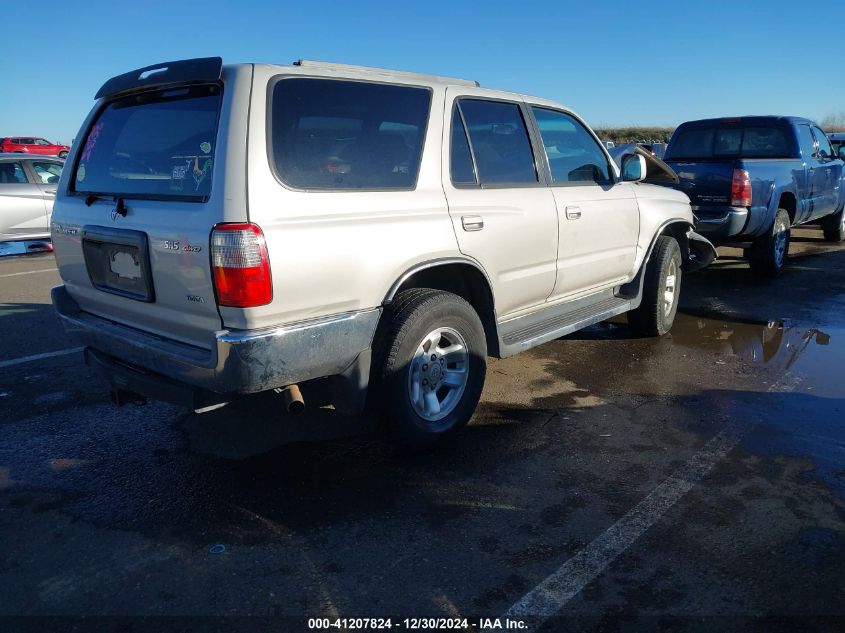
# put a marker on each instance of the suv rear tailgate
(182, 304)
(132, 221)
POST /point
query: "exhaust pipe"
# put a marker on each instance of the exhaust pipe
(121, 397)
(294, 402)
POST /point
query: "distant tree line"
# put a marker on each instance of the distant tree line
(621, 135)
(834, 122)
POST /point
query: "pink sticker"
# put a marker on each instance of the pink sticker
(93, 135)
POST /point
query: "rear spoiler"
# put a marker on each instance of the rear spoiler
(186, 71)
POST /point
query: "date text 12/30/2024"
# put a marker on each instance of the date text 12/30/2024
(417, 624)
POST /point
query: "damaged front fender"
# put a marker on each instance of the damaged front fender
(701, 252)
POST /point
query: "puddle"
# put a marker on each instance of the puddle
(805, 422)
(777, 344)
(815, 353)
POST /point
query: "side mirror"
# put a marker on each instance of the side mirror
(633, 168)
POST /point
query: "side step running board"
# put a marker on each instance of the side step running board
(553, 322)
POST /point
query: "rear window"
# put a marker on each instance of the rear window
(329, 134)
(730, 142)
(159, 145)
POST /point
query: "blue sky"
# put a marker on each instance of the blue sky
(616, 63)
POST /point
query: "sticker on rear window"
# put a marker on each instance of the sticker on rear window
(80, 173)
(178, 175)
(205, 147)
(200, 172)
(91, 143)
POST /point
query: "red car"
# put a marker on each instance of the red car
(32, 145)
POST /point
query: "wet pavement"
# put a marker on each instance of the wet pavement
(151, 511)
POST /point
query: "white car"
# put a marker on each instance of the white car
(233, 229)
(27, 189)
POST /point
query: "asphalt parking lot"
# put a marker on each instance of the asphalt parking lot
(695, 481)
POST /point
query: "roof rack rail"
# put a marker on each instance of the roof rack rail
(308, 63)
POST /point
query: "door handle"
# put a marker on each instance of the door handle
(573, 213)
(50, 191)
(472, 222)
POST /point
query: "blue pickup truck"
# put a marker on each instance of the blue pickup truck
(752, 178)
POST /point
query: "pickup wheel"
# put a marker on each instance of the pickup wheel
(768, 253)
(430, 365)
(62, 154)
(661, 289)
(834, 226)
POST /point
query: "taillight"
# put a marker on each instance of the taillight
(741, 189)
(240, 265)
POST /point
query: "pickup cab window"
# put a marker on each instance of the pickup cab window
(722, 141)
(825, 150)
(806, 142)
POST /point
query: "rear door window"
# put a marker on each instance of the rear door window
(499, 141)
(155, 144)
(48, 172)
(330, 134)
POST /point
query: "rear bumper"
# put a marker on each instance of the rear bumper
(239, 361)
(720, 223)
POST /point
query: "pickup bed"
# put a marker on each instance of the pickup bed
(750, 179)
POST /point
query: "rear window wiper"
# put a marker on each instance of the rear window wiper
(91, 198)
(120, 205)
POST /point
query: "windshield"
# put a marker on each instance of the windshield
(158, 144)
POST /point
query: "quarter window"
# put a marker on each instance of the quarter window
(573, 153)
(499, 142)
(342, 135)
(462, 170)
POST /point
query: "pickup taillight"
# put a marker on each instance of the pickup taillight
(240, 266)
(741, 189)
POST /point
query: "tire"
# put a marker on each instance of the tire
(768, 253)
(418, 321)
(62, 154)
(663, 275)
(834, 226)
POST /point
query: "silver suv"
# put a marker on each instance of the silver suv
(224, 230)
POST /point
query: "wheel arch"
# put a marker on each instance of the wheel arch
(461, 276)
(788, 201)
(674, 227)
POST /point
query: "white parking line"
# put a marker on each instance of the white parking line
(31, 272)
(551, 595)
(29, 359)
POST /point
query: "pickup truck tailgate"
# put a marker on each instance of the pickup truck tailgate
(707, 183)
